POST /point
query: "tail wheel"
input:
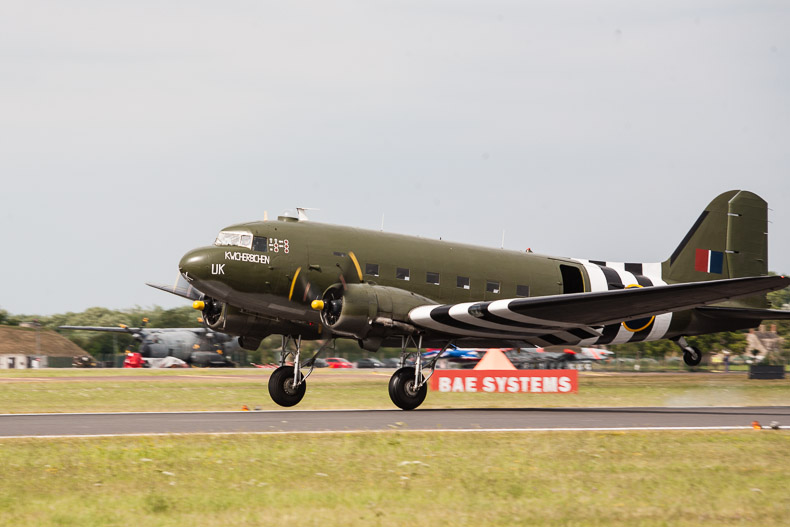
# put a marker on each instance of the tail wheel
(403, 391)
(282, 389)
(692, 356)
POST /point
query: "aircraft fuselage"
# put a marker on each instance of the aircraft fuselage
(281, 266)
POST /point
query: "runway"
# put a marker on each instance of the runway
(342, 421)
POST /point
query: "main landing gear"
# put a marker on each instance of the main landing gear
(692, 356)
(408, 387)
(287, 384)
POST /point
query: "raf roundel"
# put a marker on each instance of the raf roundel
(639, 324)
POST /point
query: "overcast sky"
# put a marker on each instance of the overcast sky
(131, 132)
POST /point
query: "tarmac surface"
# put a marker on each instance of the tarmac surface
(340, 421)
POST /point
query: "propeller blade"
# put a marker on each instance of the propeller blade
(302, 290)
(350, 270)
(180, 288)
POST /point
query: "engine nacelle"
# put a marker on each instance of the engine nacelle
(228, 319)
(250, 328)
(369, 313)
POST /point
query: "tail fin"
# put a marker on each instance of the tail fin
(728, 240)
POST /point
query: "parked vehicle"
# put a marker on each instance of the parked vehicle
(338, 362)
(392, 362)
(370, 363)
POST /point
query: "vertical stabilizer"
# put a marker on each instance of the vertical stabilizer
(728, 240)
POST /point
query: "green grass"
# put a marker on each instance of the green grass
(110, 390)
(551, 478)
(390, 478)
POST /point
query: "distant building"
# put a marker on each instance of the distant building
(31, 347)
(760, 343)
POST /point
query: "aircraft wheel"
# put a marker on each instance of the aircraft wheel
(692, 356)
(282, 389)
(403, 392)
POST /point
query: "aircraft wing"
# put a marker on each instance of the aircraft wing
(180, 288)
(197, 331)
(581, 314)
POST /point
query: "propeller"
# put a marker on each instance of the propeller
(330, 306)
(180, 288)
(210, 336)
(302, 290)
(350, 271)
(212, 310)
(331, 302)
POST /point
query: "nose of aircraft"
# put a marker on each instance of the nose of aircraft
(195, 263)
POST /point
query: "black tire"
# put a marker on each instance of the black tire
(692, 357)
(281, 387)
(402, 390)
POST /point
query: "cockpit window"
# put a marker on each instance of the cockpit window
(260, 244)
(236, 239)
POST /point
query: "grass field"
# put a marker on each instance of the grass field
(113, 390)
(390, 478)
(551, 478)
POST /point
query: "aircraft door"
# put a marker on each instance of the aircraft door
(572, 279)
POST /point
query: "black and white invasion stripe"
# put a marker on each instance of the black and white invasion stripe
(605, 276)
(496, 320)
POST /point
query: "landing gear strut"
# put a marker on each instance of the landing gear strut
(407, 386)
(287, 384)
(692, 356)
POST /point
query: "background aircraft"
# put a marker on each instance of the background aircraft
(306, 280)
(455, 357)
(555, 357)
(196, 346)
(552, 357)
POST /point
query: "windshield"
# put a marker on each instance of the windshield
(236, 239)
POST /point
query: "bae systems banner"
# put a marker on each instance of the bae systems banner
(495, 373)
(507, 381)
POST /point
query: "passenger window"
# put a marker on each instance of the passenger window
(492, 287)
(401, 273)
(432, 278)
(372, 269)
(462, 282)
(522, 290)
(259, 244)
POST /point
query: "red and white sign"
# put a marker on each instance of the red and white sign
(504, 379)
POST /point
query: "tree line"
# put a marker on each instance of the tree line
(103, 344)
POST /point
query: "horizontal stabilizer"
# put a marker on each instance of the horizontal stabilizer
(180, 288)
(745, 313)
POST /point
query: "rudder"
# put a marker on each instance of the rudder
(728, 240)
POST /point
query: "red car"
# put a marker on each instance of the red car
(338, 362)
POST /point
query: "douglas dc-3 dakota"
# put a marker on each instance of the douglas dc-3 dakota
(310, 281)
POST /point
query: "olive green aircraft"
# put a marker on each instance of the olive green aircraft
(310, 281)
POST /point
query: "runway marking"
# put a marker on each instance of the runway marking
(238, 411)
(188, 376)
(394, 430)
(341, 410)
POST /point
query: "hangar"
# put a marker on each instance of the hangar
(30, 347)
